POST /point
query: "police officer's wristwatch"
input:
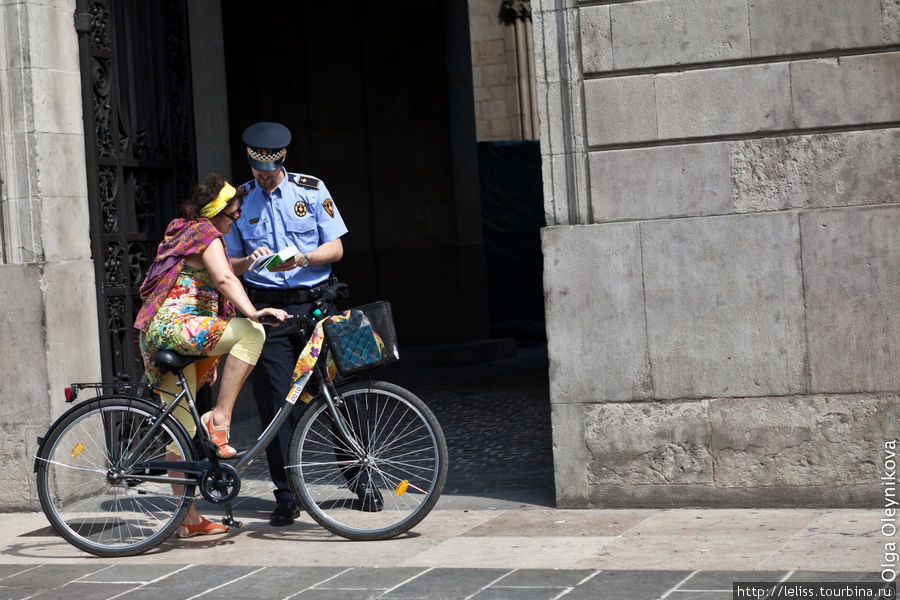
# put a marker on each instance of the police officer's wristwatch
(305, 262)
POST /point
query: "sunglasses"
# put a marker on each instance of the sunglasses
(233, 216)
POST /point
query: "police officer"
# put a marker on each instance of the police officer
(283, 209)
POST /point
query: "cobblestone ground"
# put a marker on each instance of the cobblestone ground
(495, 416)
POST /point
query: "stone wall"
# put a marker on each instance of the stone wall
(722, 257)
(501, 57)
(48, 324)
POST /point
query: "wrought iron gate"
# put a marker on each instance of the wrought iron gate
(139, 138)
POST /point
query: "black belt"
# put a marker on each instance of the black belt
(284, 297)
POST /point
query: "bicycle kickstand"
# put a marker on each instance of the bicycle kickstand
(228, 520)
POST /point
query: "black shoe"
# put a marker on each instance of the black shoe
(285, 512)
(370, 500)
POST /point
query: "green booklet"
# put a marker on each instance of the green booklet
(273, 260)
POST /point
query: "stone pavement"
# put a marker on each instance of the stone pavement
(494, 534)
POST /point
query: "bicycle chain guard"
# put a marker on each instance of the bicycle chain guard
(220, 490)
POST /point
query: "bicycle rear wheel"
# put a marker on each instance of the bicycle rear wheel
(404, 463)
(88, 499)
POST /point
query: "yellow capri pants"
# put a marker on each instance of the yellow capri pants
(242, 339)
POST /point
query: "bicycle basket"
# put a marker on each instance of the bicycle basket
(364, 340)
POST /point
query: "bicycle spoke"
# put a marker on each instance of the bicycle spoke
(383, 493)
(119, 514)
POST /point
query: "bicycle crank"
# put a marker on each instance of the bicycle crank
(221, 487)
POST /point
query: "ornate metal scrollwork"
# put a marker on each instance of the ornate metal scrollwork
(138, 262)
(146, 198)
(113, 253)
(140, 108)
(99, 29)
(102, 109)
(106, 178)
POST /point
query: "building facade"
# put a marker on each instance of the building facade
(722, 256)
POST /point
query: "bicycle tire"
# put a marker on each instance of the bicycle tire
(110, 517)
(407, 464)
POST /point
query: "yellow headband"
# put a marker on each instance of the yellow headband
(211, 209)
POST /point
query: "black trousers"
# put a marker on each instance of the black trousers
(271, 381)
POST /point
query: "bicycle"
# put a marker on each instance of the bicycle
(117, 472)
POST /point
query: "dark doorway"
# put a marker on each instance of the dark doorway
(380, 106)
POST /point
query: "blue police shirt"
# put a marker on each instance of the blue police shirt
(299, 212)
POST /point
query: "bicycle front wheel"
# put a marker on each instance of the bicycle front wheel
(382, 482)
(87, 496)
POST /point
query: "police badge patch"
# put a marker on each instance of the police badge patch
(300, 208)
(328, 205)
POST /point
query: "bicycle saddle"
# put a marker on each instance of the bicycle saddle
(171, 362)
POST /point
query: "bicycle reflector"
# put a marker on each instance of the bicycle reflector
(71, 393)
(401, 488)
(79, 447)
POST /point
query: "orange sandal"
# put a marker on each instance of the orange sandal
(204, 527)
(219, 436)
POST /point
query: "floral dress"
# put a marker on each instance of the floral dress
(187, 322)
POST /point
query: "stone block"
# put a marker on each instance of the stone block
(20, 115)
(797, 26)
(816, 171)
(18, 445)
(68, 175)
(848, 90)
(851, 272)
(556, 210)
(666, 181)
(53, 41)
(724, 306)
(65, 229)
(495, 75)
(483, 27)
(594, 313)
(648, 443)
(72, 352)
(23, 375)
(557, 119)
(488, 52)
(596, 39)
(724, 101)
(620, 110)
(671, 32)
(546, 45)
(501, 129)
(477, 77)
(570, 455)
(11, 40)
(890, 21)
(54, 108)
(798, 442)
(493, 109)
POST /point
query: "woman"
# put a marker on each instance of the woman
(189, 298)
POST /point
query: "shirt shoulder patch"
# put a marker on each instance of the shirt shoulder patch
(304, 181)
(250, 185)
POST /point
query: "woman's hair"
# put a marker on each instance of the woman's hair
(205, 192)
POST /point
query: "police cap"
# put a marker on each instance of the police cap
(266, 144)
